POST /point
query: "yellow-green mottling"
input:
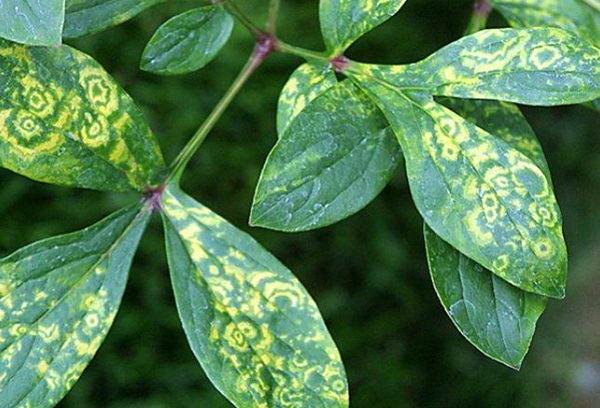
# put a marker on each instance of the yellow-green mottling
(572, 15)
(58, 299)
(333, 160)
(84, 17)
(477, 192)
(309, 81)
(32, 22)
(64, 120)
(254, 329)
(537, 66)
(344, 21)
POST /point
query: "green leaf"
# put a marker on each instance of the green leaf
(496, 317)
(572, 15)
(188, 42)
(32, 22)
(85, 17)
(252, 326)
(538, 66)
(64, 120)
(344, 21)
(58, 299)
(309, 81)
(478, 193)
(333, 160)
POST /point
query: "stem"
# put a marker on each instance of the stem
(272, 19)
(301, 52)
(192, 146)
(246, 22)
(481, 12)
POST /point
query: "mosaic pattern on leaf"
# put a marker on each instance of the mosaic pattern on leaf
(478, 193)
(64, 120)
(85, 17)
(333, 160)
(309, 81)
(58, 299)
(496, 317)
(344, 21)
(537, 66)
(254, 329)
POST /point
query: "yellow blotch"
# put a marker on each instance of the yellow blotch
(543, 248)
(481, 235)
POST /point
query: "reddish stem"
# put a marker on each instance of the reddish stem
(340, 63)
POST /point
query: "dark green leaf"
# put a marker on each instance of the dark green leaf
(58, 299)
(537, 66)
(573, 15)
(64, 120)
(344, 21)
(84, 17)
(335, 158)
(32, 22)
(188, 42)
(478, 193)
(309, 81)
(496, 317)
(252, 326)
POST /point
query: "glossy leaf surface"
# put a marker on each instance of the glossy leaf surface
(32, 22)
(64, 120)
(572, 15)
(496, 317)
(478, 193)
(344, 21)
(58, 299)
(309, 81)
(538, 66)
(335, 158)
(188, 42)
(252, 326)
(85, 17)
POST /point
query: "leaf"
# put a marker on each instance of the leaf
(188, 42)
(334, 159)
(496, 317)
(538, 66)
(85, 17)
(478, 193)
(309, 81)
(33, 23)
(64, 120)
(252, 326)
(58, 299)
(344, 21)
(572, 15)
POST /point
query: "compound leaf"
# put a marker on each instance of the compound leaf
(537, 66)
(252, 326)
(344, 21)
(64, 120)
(188, 42)
(335, 158)
(309, 81)
(58, 299)
(85, 17)
(572, 15)
(478, 193)
(496, 317)
(32, 22)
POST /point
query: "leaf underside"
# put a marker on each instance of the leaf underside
(334, 158)
(32, 22)
(64, 120)
(252, 326)
(58, 299)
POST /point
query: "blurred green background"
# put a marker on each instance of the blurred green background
(368, 273)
